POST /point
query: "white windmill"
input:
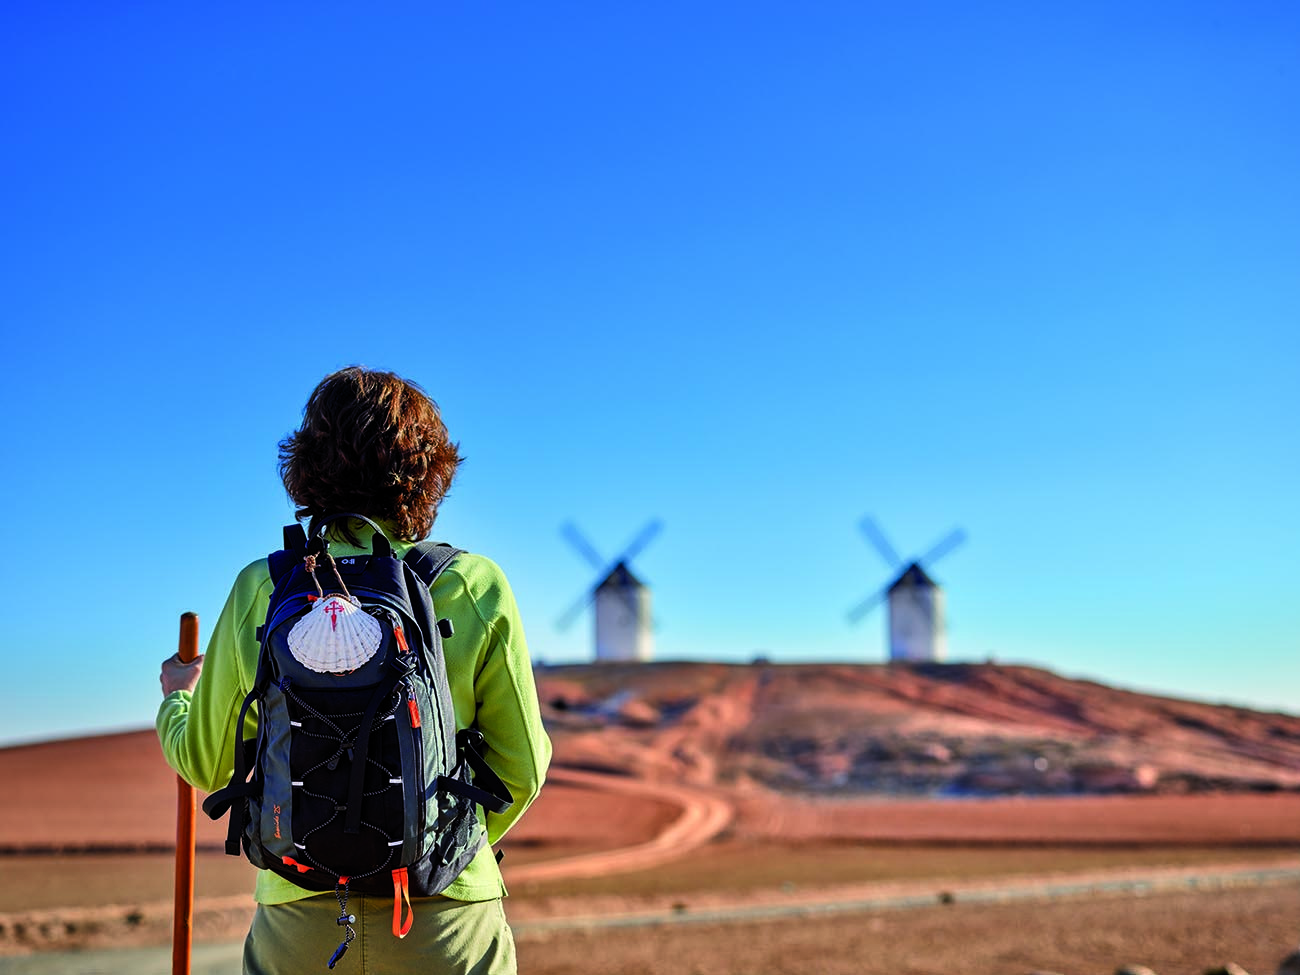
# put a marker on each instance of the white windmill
(916, 626)
(623, 617)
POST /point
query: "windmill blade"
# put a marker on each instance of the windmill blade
(866, 606)
(584, 548)
(637, 544)
(877, 538)
(574, 611)
(943, 547)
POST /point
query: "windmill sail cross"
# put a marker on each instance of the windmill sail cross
(622, 618)
(916, 624)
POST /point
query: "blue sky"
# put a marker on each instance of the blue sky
(757, 270)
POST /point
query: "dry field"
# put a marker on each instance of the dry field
(623, 873)
(754, 910)
(807, 886)
(1173, 934)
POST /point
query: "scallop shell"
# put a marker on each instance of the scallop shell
(335, 636)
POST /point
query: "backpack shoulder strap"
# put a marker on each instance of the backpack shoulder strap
(295, 547)
(280, 564)
(428, 559)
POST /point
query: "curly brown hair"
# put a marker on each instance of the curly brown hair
(370, 443)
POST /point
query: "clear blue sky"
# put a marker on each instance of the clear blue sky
(754, 269)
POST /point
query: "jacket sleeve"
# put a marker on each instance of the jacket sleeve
(197, 730)
(505, 706)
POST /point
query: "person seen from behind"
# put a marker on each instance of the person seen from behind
(374, 444)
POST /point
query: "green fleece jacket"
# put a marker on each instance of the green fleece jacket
(488, 668)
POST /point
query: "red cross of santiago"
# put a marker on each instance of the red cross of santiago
(333, 607)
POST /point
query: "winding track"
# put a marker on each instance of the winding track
(702, 817)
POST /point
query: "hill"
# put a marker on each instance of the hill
(920, 729)
(814, 729)
(742, 788)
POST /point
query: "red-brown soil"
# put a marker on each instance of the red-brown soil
(1172, 934)
(664, 798)
(766, 736)
(924, 729)
(113, 793)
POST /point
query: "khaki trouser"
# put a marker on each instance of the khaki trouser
(448, 937)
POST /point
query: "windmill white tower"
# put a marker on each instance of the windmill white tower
(917, 626)
(622, 616)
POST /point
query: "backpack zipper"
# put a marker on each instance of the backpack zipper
(417, 751)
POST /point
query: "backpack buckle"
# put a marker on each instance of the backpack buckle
(471, 739)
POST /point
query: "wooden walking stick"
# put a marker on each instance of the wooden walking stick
(183, 910)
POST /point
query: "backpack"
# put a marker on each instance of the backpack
(357, 779)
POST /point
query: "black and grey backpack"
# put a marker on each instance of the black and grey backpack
(358, 779)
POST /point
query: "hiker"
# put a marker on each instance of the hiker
(374, 444)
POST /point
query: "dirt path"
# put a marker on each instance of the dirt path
(1090, 891)
(699, 736)
(703, 816)
(598, 912)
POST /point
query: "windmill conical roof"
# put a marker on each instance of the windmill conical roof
(913, 575)
(620, 577)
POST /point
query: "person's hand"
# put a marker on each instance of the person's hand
(177, 676)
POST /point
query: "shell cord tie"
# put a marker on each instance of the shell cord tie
(345, 920)
(309, 563)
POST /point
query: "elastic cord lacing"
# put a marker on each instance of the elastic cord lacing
(345, 920)
(344, 736)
